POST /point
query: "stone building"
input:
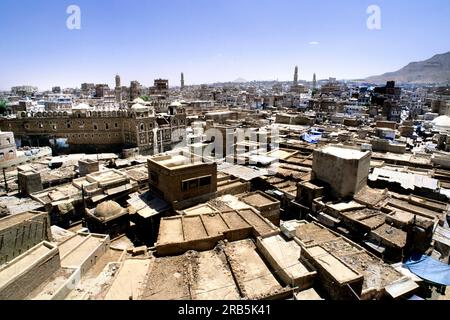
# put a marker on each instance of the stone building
(22, 231)
(101, 90)
(29, 182)
(135, 90)
(344, 170)
(7, 146)
(89, 129)
(118, 90)
(160, 87)
(107, 218)
(181, 180)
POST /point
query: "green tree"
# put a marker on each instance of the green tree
(145, 98)
(3, 104)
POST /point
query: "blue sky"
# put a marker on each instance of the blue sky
(213, 40)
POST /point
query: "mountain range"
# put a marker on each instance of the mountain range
(435, 70)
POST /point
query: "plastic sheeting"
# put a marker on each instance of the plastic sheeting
(429, 269)
(311, 138)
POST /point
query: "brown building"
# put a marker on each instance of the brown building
(101, 90)
(89, 129)
(344, 170)
(160, 87)
(182, 180)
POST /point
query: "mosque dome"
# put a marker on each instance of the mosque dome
(108, 209)
(139, 100)
(442, 123)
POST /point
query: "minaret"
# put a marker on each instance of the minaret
(118, 90)
(182, 81)
(314, 84)
(296, 76)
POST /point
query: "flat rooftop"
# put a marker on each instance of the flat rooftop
(107, 176)
(286, 254)
(25, 261)
(377, 274)
(176, 161)
(341, 272)
(258, 199)
(250, 270)
(348, 154)
(130, 280)
(191, 276)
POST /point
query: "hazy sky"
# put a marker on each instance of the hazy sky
(213, 40)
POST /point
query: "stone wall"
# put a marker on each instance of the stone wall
(345, 176)
(29, 182)
(25, 281)
(20, 232)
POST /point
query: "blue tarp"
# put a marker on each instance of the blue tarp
(429, 269)
(311, 138)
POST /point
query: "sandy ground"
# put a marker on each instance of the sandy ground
(252, 274)
(193, 228)
(395, 235)
(257, 200)
(311, 234)
(130, 281)
(98, 277)
(339, 247)
(309, 294)
(259, 224)
(376, 273)
(335, 267)
(214, 224)
(168, 279)
(46, 290)
(214, 280)
(234, 220)
(170, 230)
(287, 254)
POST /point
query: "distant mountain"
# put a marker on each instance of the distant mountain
(240, 80)
(434, 70)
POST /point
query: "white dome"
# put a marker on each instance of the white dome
(139, 100)
(175, 104)
(442, 123)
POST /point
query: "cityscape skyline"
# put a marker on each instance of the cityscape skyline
(212, 42)
(226, 150)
